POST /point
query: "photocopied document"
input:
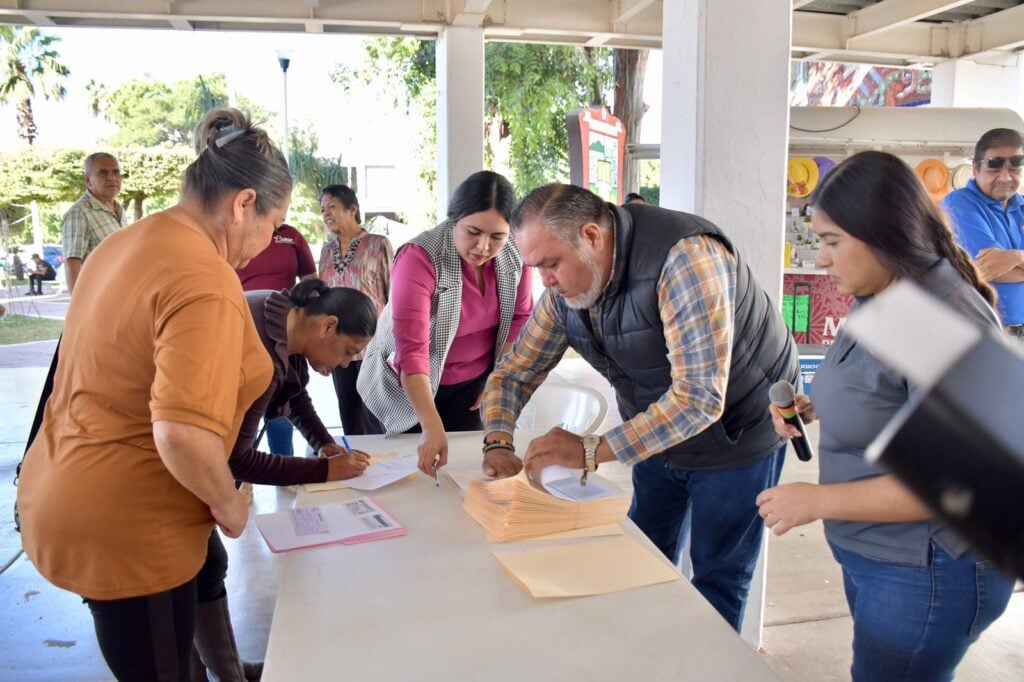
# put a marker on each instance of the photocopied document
(383, 470)
(579, 570)
(349, 522)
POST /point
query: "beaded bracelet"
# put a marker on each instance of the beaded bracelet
(499, 444)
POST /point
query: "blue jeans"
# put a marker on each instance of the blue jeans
(913, 622)
(279, 436)
(725, 527)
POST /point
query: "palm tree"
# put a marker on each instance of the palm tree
(29, 67)
(98, 98)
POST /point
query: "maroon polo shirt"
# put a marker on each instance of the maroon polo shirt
(278, 266)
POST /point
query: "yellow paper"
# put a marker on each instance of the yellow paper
(579, 570)
(592, 532)
(460, 479)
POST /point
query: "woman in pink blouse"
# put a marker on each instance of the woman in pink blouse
(359, 260)
(461, 294)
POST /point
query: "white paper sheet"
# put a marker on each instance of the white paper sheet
(564, 483)
(380, 473)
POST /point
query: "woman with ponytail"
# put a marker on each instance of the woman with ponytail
(312, 326)
(918, 595)
(157, 365)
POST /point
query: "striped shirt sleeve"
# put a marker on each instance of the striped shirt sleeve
(536, 351)
(73, 233)
(696, 295)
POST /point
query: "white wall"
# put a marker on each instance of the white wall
(998, 82)
(725, 118)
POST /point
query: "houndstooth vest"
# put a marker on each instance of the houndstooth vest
(378, 383)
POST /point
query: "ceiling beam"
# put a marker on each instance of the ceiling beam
(797, 4)
(630, 8)
(599, 40)
(891, 14)
(471, 13)
(996, 32)
(871, 58)
(38, 18)
(816, 32)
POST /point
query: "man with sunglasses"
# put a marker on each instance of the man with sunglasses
(988, 218)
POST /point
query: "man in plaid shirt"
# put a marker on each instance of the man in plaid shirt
(663, 306)
(94, 216)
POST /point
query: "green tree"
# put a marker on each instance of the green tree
(150, 112)
(629, 107)
(29, 67)
(528, 89)
(54, 176)
(151, 173)
(311, 172)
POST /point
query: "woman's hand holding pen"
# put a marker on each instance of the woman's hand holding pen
(344, 462)
(348, 465)
(433, 450)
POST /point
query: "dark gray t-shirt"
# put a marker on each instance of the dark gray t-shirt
(855, 395)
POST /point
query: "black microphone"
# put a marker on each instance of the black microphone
(781, 393)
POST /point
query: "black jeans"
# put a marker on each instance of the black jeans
(350, 405)
(210, 579)
(148, 637)
(35, 282)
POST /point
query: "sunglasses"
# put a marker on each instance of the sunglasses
(999, 162)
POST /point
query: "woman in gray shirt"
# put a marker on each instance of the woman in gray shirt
(919, 597)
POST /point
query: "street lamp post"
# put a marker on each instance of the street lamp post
(284, 58)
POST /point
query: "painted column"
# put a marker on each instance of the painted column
(460, 109)
(724, 138)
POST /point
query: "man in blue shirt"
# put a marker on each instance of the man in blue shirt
(988, 218)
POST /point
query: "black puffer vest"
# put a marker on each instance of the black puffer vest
(630, 348)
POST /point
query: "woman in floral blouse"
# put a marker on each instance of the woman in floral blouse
(352, 258)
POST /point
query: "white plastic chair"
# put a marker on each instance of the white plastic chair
(576, 408)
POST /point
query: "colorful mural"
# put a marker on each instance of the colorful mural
(846, 85)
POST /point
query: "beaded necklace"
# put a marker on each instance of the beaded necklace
(340, 263)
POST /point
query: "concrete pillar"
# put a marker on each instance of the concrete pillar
(460, 108)
(994, 82)
(724, 139)
(725, 118)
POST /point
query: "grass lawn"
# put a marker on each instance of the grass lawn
(22, 328)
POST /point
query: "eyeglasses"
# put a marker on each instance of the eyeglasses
(999, 162)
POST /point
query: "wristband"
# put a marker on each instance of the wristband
(499, 445)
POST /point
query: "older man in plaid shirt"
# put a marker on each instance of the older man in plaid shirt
(94, 216)
(663, 306)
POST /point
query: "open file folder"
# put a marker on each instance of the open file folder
(350, 522)
(583, 569)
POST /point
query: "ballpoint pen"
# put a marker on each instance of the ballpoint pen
(344, 441)
(437, 481)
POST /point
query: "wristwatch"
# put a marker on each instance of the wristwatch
(590, 444)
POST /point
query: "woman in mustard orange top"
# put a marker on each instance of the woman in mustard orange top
(158, 364)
